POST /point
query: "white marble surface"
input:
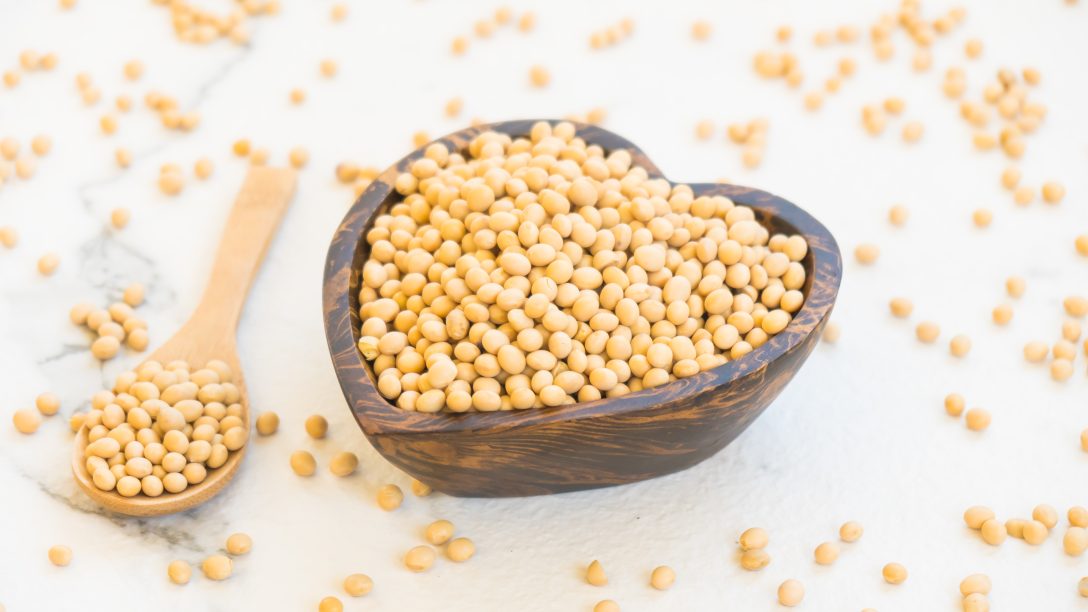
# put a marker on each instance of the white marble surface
(860, 434)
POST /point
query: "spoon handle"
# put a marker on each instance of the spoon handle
(258, 209)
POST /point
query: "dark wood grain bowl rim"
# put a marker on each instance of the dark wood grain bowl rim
(376, 415)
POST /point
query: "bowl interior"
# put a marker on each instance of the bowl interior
(822, 267)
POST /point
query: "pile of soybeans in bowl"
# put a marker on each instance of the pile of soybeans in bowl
(543, 271)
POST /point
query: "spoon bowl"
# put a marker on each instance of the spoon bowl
(606, 442)
(210, 334)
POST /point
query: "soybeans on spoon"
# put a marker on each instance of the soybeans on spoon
(210, 333)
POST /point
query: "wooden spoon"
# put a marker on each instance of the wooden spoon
(210, 331)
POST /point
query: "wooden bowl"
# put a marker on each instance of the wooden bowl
(602, 443)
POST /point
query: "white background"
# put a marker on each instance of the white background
(860, 433)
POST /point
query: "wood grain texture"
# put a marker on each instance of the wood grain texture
(210, 333)
(587, 445)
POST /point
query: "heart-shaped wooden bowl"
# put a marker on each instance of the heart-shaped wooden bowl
(606, 442)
